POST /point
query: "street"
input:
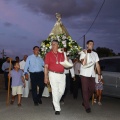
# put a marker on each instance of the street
(71, 110)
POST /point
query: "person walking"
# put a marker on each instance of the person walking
(18, 83)
(27, 82)
(34, 64)
(77, 81)
(54, 73)
(5, 68)
(69, 72)
(89, 60)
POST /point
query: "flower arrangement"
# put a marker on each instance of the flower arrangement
(71, 46)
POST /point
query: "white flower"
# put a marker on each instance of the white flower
(64, 37)
(50, 47)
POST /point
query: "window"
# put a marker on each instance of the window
(111, 65)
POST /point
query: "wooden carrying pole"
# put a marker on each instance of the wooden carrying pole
(8, 94)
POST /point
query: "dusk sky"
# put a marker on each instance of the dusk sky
(25, 23)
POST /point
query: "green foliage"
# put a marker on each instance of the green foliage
(105, 52)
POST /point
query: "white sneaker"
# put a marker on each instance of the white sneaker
(99, 103)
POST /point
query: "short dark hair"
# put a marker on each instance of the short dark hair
(15, 63)
(6, 58)
(89, 41)
(55, 40)
(35, 47)
(16, 57)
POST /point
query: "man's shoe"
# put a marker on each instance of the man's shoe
(35, 104)
(57, 112)
(40, 101)
(88, 110)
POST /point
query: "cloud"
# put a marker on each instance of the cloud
(7, 24)
(67, 8)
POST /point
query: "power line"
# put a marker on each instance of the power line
(93, 20)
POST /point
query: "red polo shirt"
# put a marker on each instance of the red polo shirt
(51, 60)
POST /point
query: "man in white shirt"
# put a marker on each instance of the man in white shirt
(5, 68)
(89, 60)
(27, 82)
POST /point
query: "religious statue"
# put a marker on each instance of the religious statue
(59, 27)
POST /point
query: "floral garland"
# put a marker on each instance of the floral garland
(71, 46)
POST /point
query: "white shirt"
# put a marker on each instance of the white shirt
(22, 64)
(91, 58)
(66, 71)
(77, 68)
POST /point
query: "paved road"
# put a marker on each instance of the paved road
(71, 110)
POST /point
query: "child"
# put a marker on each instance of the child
(99, 88)
(17, 82)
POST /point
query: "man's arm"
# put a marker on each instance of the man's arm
(83, 58)
(46, 79)
(98, 70)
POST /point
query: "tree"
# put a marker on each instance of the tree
(105, 52)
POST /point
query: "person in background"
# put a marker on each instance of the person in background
(99, 88)
(89, 59)
(34, 64)
(67, 72)
(54, 73)
(17, 59)
(5, 68)
(77, 82)
(27, 82)
(18, 82)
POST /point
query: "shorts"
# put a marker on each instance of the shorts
(99, 86)
(17, 90)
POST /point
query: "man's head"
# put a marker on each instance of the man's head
(25, 57)
(17, 59)
(7, 59)
(36, 50)
(55, 45)
(90, 44)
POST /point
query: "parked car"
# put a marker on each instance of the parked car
(110, 67)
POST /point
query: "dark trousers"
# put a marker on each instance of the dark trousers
(67, 87)
(88, 87)
(37, 79)
(76, 86)
(6, 80)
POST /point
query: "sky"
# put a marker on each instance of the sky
(26, 23)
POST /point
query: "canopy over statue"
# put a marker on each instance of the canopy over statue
(59, 28)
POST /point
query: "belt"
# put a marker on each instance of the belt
(56, 72)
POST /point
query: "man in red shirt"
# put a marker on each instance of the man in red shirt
(54, 73)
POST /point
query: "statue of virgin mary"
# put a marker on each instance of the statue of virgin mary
(59, 28)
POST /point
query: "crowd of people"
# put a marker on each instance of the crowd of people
(85, 74)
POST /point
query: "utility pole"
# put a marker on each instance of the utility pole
(84, 42)
(3, 53)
